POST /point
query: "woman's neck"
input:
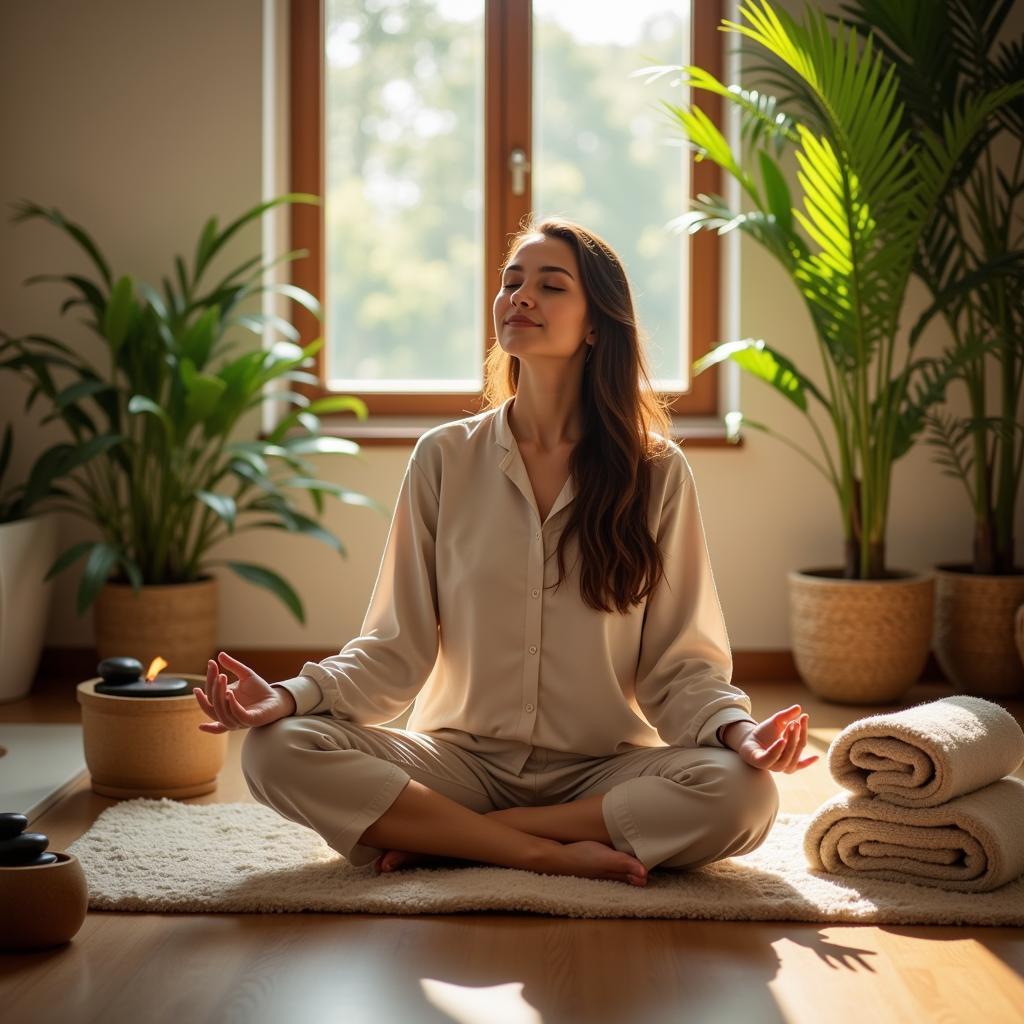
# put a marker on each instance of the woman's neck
(546, 423)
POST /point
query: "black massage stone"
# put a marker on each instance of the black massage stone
(39, 860)
(119, 670)
(12, 824)
(22, 848)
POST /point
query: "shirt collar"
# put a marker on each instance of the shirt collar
(503, 432)
(514, 467)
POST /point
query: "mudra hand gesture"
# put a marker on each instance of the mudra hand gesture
(775, 743)
(251, 702)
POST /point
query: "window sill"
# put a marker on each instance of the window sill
(405, 431)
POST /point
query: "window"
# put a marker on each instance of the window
(432, 127)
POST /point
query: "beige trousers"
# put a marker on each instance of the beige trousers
(670, 807)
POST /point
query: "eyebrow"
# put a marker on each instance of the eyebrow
(557, 270)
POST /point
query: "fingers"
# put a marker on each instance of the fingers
(234, 664)
(781, 755)
(219, 703)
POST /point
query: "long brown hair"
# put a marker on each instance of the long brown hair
(625, 427)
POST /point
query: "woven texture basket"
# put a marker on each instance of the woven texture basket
(860, 641)
(974, 630)
(178, 622)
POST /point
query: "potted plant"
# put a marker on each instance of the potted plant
(945, 54)
(862, 631)
(154, 463)
(28, 545)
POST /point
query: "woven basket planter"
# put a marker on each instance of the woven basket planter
(860, 641)
(975, 643)
(176, 621)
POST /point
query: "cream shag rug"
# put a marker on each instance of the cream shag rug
(165, 855)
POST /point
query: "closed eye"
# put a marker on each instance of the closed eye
(547, 287)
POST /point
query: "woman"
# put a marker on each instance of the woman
(546, 599)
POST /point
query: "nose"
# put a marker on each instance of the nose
(520, 297)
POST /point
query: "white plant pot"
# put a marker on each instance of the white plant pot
(28, 547)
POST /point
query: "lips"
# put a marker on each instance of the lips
(521, 321)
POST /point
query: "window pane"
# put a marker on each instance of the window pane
(403, 211)
(600, 155)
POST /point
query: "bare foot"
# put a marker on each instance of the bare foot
(395, 860)
(589, 859)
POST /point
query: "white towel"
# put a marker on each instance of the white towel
(928, 754)
(974, 843)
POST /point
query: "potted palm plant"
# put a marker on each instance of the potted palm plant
(28, 545)
(860, 631)
(155, 462)
(945, 54)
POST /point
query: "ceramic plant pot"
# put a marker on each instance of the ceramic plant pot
(860, 641)
(974, 630)
(28, 547)
(42, 906)
(149, 746)
(176, 621)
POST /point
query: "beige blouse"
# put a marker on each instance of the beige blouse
(464, 620)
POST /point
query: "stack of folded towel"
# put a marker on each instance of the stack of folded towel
(929, 802)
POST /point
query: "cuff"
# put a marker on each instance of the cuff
(309, 698)
(708, 735)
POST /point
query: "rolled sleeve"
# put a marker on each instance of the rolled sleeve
(309, 698)
(684, 670)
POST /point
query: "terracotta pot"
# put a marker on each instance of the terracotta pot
(149, 746)
(974, 630)
(177, 621)
(860, 641)
(42, 906)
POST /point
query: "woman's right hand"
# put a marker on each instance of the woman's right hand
(251, 702)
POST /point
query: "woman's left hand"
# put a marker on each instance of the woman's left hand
(775, 744)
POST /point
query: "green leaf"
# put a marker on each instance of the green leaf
(271, 581)
(117, 317)
(349, 497)
(84, 388)
(28, 209)
(96, 573)
(142, 404)
(222, 504)
(320, 446)
(210, 250)
(69, 556)
(763, 362)
(776, 191)
(198, 340)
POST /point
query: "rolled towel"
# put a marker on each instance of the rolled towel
(928, 754)
(974, 843)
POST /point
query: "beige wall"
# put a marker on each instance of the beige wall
(140, 118)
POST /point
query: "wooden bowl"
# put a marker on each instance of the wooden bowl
(42, 906)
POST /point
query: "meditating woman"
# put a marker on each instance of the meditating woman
(546, 598)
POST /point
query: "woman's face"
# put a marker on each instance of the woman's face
(540, 309)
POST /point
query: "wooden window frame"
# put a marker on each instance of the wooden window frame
(507, 27)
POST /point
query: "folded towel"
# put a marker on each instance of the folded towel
(974, 843)
(928, 754)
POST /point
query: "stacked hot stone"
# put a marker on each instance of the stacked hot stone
(21, 849)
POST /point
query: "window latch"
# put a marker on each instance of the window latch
(520, 167)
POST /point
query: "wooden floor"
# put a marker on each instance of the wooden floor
(499, 968)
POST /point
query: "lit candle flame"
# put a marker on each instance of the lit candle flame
(156, 666)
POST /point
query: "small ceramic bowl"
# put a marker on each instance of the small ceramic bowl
(42, 906)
